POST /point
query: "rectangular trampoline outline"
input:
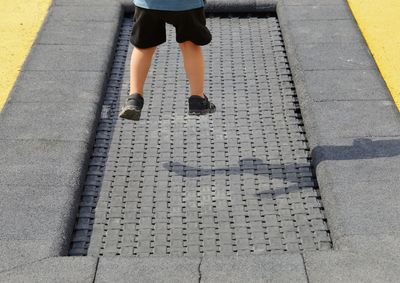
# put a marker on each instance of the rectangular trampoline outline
(79, 246)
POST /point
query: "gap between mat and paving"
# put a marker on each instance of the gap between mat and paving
(374, 262)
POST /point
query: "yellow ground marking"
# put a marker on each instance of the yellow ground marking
(379, 22)
(20, 21)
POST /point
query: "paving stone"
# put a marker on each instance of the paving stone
(91, 2)
(343, 119)
(318, 12)
(334, 56)
(384, 246)
(367, 159)
(66, 32)
(42, 214)
(58, 87)
(324, 31)
(42, 163)
(72, 121)
(346, 205)
(53, 270)
(22, 252)
(312, 2)
(331, 266)
(68, 58)
(87, 14)
(148, 269)
(321, 85)
(271, 268)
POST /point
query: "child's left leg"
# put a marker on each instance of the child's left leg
(194, 67)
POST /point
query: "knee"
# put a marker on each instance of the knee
(188, 44)
(149, 50)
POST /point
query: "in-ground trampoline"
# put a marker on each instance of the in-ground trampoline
(239, 181)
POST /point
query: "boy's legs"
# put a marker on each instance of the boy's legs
(194, 66)
(193, 61)
(140, 64)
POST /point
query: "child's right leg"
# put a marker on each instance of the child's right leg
(140, 64)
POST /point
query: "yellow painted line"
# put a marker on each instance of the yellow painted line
(379, 22)
(20, 21)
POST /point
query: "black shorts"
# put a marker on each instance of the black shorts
(149, 27)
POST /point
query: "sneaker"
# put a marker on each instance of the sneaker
(200, 106)
(133, 107)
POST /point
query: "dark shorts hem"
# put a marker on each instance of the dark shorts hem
(196, 41)
(144, 45)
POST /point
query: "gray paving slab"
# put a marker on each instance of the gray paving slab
(325, 31)
(59, 87)
(50, 121)
(68, 58)
(43, 216)
(322, 85)
(331, 266)
(354, 118)
(362, 207)
(14, 253)
(42, 163)
(90, 2)
(318, 12)
(148, 269)
(350, 149)
(60, 32)
(272, 268)
(93, 14)
(366, 159)
(126, 5)
(312, 2)
(49, 270)
(334, 56)
(383, 246)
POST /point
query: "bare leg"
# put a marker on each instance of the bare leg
(140, 65)
(194, 66)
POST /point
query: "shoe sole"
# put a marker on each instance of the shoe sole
(201, 112)
(130, 114)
